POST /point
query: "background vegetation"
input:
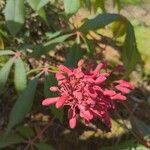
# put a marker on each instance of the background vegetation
(40, 34)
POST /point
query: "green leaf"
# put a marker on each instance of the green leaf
(71, 6)
(119, 28)
(26, 132)
(20, 78)
(99, 3)
(42, 3)
(9, 139)
(117, 4)
(75, 53)
(4, 72)
(52, 35)
(99, 21)
(58, 39)
(23, 104)
(37, 5)
(44, 146)
(130, 53)
(6, 52)
(50, 80)
(33, 4)
(14, 15)
(87, 3)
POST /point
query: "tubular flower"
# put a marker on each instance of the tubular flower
(86, 93)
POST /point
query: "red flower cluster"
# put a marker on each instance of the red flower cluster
(86, 94)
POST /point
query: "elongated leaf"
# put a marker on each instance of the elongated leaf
(6, 52)
(71, 6)
(53, 35)
(14, 15)
(58, 39)
(130, 54)
(117, 4)
(33, 4)
(75, 53)
(1, 43)
(42, 3)
(99, 4)
(37, 5)
(23, 104)
(20, 78)
(88, 3)
(119, 28)
(4, 72)
(50, 80)
(99, 21)
(9, 139)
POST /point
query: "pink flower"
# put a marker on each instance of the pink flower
(86, 93)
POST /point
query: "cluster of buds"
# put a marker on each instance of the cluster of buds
(86, 93)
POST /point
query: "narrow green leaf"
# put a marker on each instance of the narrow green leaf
(44, 146)
(75, 53)
(52, 35)
(42, 3)
(119, 28)
(9, 139)
(37, 6)
(50, 80)
(99, 21)
(6, 52)
(130, 54)
(23, 104)
(88, 3)
(33, 4)
(20, 78)
(58, 39)
(71, 6)
(4, 72)
(14, 15)
(99, 4)
(117, 3)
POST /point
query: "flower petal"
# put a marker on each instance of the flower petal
(80, 63)
(61, 101)
(100, 79)
(72, 122)
(125, 84)
(72, 118)
(122, 89)
(119, 97)
(50, 101)
(99, 67)
(65, 69)
(86, 114)
(109, 92)
(60, 76)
